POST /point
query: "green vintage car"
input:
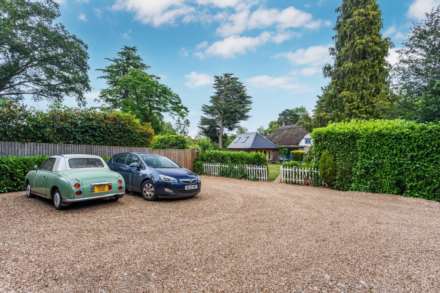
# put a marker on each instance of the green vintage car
(67, 179)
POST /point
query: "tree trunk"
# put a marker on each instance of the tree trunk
(220, 135)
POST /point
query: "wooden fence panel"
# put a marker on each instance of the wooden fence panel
(184, 158)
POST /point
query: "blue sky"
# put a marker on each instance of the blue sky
(277, 48)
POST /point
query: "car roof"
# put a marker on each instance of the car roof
(72, 156)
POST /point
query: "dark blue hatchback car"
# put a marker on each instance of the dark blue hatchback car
(155, 176)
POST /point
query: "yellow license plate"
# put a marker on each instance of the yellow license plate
(101, 188)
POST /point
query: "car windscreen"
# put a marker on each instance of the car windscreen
(158, 162)
(80, 163)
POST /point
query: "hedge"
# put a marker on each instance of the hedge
(13, 171)
(298, 155)
(72, 126)
(384, 156)
(229, 157)
(170, 141)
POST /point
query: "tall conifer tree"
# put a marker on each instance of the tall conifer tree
(359, 86)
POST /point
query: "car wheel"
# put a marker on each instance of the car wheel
(57, 200)
(148, 191)
(29, 191)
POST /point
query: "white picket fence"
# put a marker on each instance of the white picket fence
(251, 172)
(301, 176)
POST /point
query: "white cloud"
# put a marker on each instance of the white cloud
(285, 82)
(195, 79)
(155, 12)
(394, 33)
(310, 60)
(281, 37)
(233, 45)
(220, 3)
(393, 56)
(315, 55)
(419, 8)
(310, 71)
(82, 17)
(263, 18)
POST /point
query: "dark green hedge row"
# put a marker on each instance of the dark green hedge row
(384, 156)
(72, 126)
(13, 171)
(229, 157)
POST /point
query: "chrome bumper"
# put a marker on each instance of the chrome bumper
(72, 200)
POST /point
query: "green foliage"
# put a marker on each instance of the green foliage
(299, 116)
(38, 56)
(228, 106)
(72, 126)
(359, 86)
(13, 171)
(327, 168)
(133, 90)
(204, 144)
(229, 158)
(170, 141)
(296, 116)
(298, 155)
(284, 153)
(298, 164)
(385, 156)
(418, 71)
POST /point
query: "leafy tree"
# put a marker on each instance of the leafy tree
(170, 141)
(126, 60)
(133, 90)
(38, 56)
(418, 71)
(228, 106)
(299, 116)
(241, 130)
(359, 86)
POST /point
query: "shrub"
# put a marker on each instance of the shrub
(229, 158)
(204, 144)
(327, 168)
(13, 171)
(297, 164)
(284, 153)
(237, 158)
(170, 141)
(298, 155)
(72, 126)
(385, 156)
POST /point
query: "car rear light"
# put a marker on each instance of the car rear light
(120, 182)
(78, 193)
(77, 186)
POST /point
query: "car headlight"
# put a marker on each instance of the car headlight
(198, 179)
(167, 179)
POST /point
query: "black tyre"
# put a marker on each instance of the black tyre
(148, 191)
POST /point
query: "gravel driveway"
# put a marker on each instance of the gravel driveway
(236, 236)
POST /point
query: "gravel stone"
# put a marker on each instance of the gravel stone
(236, 236)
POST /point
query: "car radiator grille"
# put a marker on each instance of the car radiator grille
(188, 181)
